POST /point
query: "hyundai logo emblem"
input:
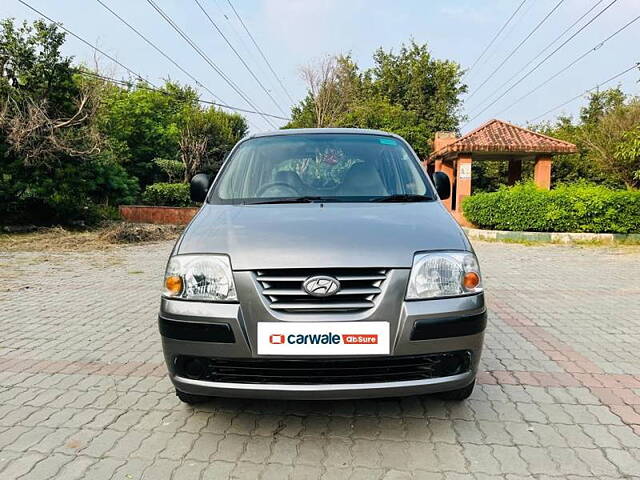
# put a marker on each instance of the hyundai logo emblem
(321, 286)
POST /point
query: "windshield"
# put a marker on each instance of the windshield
(321, 167)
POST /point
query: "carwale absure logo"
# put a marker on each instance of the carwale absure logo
(323, 338)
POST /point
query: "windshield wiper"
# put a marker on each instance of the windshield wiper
(403, 197)
(306, 199)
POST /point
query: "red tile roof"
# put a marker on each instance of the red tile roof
(499, 137)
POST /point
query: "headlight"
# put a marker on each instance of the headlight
(444, 274)
(200, 277)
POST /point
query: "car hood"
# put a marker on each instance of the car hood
(316, 235)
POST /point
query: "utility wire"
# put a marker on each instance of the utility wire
(239, 56)
(635, 66)
(261, 52)
(250, 52)
(570, 65)
(145, 83)
(552, 77)
(524, 40)
(131, 72)
(164, 92)
(206, 58)
(550, 44)
(159, 50)
(495, 37)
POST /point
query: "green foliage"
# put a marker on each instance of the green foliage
(568, 208)
(173, 169)
(50, 174)
(379, 113)
(605, 134)
(167, 194)
(144, 124)
(409, 93)
(627, 152)
(73, 147)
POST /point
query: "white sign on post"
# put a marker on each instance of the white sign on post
(464, 170)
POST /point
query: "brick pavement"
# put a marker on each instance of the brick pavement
(83, 391)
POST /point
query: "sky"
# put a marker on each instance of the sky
(293, 33)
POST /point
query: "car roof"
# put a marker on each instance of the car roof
(307, 131)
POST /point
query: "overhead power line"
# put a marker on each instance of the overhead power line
(253, 40)
(249, 51)
(500, 88)
(495, 37)
(553, 76)
(145, 83)
(524, 40)
(131, 72)
(159, 50)
(164, 92)
(571, 64)
(635, 66)
(207, 59)
(239, 56)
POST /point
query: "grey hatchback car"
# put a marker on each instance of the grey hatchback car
(322, 265)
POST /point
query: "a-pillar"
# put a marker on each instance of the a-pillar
(463, 182)
(446, 166)
(515, 171)
(542, 172)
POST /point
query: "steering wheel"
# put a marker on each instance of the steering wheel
(267, 186)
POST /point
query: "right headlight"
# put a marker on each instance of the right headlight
(200, 277)
(444, 274)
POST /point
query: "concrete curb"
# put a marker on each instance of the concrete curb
(552, 237)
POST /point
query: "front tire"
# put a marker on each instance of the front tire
(459, 394)
(191, 399)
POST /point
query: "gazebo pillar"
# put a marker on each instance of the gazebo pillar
(515, 171)
(463, 179)
(447, 167)
(542, 172)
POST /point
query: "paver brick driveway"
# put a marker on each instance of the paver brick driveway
(83, 391)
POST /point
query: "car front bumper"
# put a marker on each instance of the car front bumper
(228, 331)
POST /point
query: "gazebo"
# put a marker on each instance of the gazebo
(494, 140)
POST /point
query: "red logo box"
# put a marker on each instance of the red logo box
(276, 339)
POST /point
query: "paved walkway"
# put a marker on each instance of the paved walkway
(83, 392)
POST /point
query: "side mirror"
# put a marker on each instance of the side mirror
(443, 185)
(199, 187)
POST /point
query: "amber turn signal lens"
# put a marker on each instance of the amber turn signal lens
(173, 284)
(471, 280)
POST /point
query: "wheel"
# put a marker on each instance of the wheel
(459, 394)
(191, 399)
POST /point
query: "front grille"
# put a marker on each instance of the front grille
(324, 371)
(358, 288)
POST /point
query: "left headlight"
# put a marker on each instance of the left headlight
(444, 274)
(200, 277)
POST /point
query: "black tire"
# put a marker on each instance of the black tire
(192, 399)
(459, 394)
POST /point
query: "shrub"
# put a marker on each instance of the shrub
(568, 208)
(173, 169)
(167, 194)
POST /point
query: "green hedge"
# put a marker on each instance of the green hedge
(167, 194)
(568, 208)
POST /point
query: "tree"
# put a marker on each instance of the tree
(612, 143)
(142, 124)
(606, 134)
(409, 93)
(53, 169)
(332, 85)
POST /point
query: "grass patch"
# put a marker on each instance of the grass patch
(104, 237)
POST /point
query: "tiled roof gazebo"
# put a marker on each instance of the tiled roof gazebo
(494, 140)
